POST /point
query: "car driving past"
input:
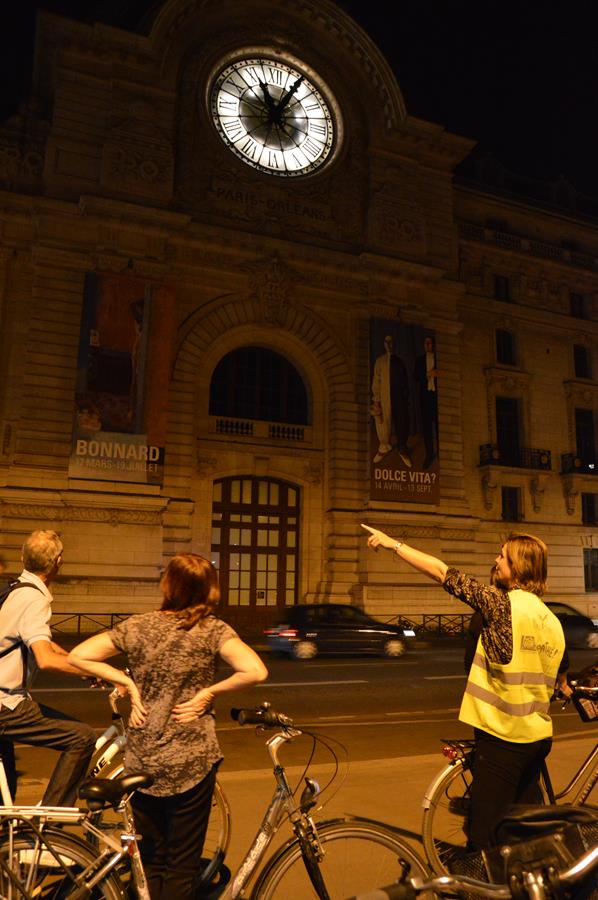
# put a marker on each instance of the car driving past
(580, 631)
(335, 628)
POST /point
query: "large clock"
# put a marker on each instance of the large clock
(273, 115)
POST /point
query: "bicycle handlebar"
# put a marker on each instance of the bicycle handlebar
(262, 715)
(447, 884)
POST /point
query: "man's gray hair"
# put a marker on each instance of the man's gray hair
(40, 551)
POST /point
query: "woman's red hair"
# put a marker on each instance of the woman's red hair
(190, 588)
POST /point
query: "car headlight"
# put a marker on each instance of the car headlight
(408, 632)
(595, 622)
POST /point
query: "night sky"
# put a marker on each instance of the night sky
(521, 78)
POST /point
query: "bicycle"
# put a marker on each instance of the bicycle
(107, 762)
(537, 881)
(38, 859)
(540, 855)
(322, 860)
(446, 800)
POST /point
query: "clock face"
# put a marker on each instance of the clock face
(272, 116)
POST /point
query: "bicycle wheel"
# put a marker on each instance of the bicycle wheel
(217, 836)
(445, 816)
(39, 875)
(359, 855)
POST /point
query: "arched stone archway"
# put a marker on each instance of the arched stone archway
(319, 354)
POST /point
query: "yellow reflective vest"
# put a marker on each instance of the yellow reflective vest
(511, 701)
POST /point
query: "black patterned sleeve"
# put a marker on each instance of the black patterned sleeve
(491, 602)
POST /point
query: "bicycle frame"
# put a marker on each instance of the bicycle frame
(36, 819)
(281, 805)
(586, 789)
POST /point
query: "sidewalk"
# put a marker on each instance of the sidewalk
(389, 790)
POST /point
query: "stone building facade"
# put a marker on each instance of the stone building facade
(121, 168)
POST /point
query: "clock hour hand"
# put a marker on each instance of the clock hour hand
(286, 98)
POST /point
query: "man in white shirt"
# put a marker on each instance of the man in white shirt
(26, 643)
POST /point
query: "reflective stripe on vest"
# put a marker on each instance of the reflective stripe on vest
(511, 700)
(513, 677)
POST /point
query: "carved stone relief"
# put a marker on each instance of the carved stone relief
(537, 487)
(396, 218)
(272, 282)
(312, 472)
(138, 158)
(489, 488)
(571, 491)
(20, 165)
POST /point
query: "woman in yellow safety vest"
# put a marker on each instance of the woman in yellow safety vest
(519, 657)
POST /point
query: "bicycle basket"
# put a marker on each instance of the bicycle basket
(587, 709)
(539, 837)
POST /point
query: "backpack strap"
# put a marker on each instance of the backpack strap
(13, 586)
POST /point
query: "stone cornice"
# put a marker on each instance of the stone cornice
(142, 511)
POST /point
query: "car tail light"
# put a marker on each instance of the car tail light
(288, 633)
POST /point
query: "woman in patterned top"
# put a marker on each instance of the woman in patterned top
(172, 735)
(519, 657)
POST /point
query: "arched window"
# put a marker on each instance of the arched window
(255, 540)
(257, 383)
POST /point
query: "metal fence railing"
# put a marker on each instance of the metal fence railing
(434, 624)
(88, 623)
(424, 625)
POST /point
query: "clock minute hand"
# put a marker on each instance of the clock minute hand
(269, 100)
(286, 98)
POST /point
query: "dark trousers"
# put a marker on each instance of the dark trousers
(41, 726)
(503, 773)
(173, 831)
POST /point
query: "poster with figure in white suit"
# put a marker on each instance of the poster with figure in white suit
(403, 413)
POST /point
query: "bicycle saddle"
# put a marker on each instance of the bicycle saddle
(102, 792)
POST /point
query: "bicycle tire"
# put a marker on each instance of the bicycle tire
(217, 837)
(50, 881)
(445, 817)
(359, 855)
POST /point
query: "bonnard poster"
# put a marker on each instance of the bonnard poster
(404, 413)
(123, 369)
